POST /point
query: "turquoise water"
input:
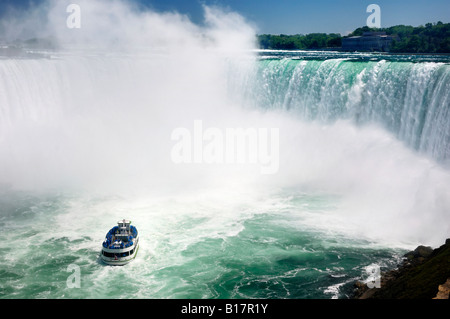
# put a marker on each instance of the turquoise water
(269, 250)
(408, 95)
(88, 133)
(362, 173)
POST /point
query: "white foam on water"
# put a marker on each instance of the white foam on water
(101, 123)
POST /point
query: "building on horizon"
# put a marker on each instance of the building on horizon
(369, 41)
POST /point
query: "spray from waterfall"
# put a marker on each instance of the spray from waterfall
(98, 114)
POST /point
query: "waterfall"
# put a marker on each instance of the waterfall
(410, 100)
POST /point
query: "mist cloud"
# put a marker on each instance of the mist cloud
(102, 113)
(125, 25)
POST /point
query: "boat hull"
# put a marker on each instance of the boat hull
(121, 244)
(117, 260)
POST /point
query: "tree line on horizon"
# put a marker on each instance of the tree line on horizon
(431, 38)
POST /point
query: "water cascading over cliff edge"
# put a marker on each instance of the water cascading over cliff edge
(101, 119)
(85, 140)
(410, 100)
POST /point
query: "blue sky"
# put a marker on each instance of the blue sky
(300, 16)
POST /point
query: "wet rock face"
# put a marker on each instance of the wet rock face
(419, 252)
(424, 274)
(444, 290)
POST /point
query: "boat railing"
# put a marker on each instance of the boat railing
(118, 241)
(118, 237)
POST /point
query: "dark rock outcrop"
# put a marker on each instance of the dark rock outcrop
(424, 274)
(420, 253)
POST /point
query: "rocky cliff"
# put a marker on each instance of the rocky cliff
(424, 274)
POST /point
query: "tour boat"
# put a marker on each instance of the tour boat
(121, 244)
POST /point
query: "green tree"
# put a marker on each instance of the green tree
(431, 38)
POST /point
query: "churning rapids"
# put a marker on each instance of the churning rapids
(85, 140)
